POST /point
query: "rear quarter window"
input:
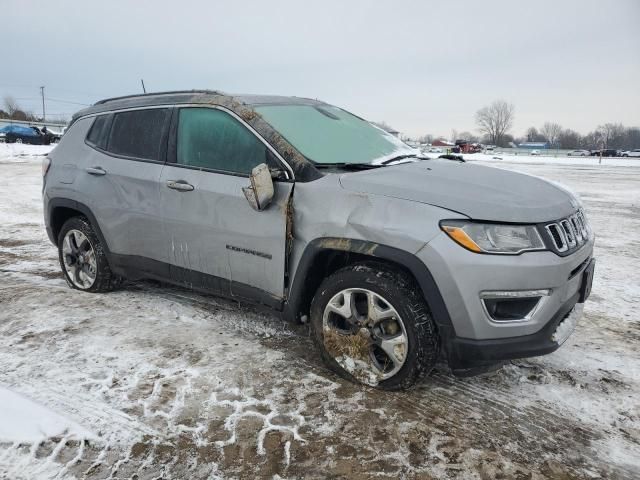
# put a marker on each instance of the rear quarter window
(138, 133)
(98, 133)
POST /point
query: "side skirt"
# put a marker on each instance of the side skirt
(134, 267)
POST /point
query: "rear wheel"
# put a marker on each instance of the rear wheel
(373, 326)
(82, 257)
(18, 140)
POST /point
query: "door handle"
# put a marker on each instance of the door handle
(96, 171)
(179, 185)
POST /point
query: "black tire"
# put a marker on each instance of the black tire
(401, 291)
(105, 280)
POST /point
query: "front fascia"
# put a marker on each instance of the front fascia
(462, 275)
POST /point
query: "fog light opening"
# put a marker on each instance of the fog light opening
(512, 306)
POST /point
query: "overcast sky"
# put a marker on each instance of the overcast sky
(423, 67)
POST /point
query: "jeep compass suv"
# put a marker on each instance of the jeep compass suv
(396, 261)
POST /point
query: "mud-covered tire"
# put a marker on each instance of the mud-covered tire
(105, 280)
(404, 295)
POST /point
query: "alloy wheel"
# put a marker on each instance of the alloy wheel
(79, 259)
(365, 335)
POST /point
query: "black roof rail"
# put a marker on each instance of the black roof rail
(170, 92)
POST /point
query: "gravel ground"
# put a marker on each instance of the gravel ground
(152, 381)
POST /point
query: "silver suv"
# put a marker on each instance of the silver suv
(395, 260)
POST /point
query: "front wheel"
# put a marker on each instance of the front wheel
(373, 326)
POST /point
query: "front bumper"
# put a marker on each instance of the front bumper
(472, 338)
(466, 353)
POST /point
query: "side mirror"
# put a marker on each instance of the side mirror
(260, 193)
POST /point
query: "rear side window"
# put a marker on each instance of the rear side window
(213, 139)
(98, 133)
(138, 133)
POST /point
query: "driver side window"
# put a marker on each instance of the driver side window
(212, 139)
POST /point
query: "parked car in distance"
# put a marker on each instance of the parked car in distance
(54, 135)
(608, 152)
(534, 152)
(21, 134)
(396, 261)
(632, 153)
(579, 153)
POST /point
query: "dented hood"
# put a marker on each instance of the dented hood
(480, 192)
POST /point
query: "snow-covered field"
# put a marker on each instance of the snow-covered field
(157, 382)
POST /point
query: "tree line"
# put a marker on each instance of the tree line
(495, 121)
(11, 110)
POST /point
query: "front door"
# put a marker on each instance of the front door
(214, 239)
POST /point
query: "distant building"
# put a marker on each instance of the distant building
(441, 143)
(534, 145)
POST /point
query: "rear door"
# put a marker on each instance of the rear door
(121, 181)
(214, 239)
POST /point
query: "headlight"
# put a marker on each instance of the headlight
(492, 237)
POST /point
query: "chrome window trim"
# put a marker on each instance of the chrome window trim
(288, 171)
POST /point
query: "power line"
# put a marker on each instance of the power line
(49, 99)
(67, 101)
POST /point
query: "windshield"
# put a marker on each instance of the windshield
(328, 135)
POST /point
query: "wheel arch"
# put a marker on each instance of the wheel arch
(62, 209)
(323, 256)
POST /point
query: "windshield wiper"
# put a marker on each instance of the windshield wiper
(399, 157)
(347, 166)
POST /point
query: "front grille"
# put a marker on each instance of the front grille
(568, 234)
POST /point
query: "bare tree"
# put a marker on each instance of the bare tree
(533, 135)
(11, 105)
(612, 134)
(551, 132)
(495, 120)
(468, 136)
(569, 139)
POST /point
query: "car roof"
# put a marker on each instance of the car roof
(213, 97)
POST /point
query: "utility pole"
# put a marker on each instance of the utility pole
(43, 111)
(144, 90)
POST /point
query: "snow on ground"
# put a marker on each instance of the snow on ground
(25, 421)
(156, 381)
(17, 152)
(554, 160)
